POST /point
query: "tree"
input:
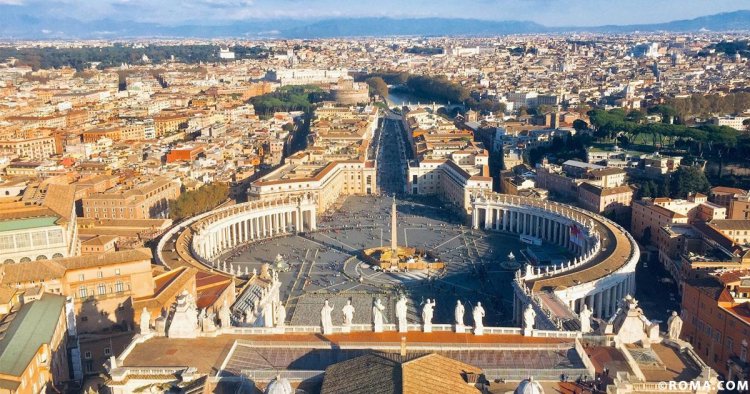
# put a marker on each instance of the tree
(635, 116)
(544, 109)
(580, 125)
(664, 190)
(645, 190)
(689, 179)
(194, 202)
(378, 86)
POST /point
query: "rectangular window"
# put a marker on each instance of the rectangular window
(82, 292)
(106, 351)
(39, 238)
(55, 236)
(23, 240)
(118, 287)
(102, 289)
(6, 242)
(87, 355)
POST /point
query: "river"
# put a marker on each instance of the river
(400, 97)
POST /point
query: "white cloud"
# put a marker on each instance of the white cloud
(11, 2)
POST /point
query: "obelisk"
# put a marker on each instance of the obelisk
(394, 234)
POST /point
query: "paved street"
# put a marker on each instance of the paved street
(326, 263)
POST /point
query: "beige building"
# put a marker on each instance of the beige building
(722, 195)
(30, 148)
(143, 201)
(737, 230)
(654, 213)
(39, 225)
(605, 200)
(325, 183)
(334, 166)
(33, 351)
(739, 207)
(102, 285)
(449, 181)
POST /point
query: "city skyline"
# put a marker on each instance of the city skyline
(549, 13)
(312, 196)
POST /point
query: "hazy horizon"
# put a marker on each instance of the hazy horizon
(216, 12)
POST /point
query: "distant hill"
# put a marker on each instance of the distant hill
(19, 23)
(726, 21)
(358, 27)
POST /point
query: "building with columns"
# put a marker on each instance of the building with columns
(448, 162)
(229, 227)
(339, 162)
(601, 274)
(39, 225)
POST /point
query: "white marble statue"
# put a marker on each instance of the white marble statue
(209, 322)
(348, 311)
(585, 317)
(145, 321)
(201, 318)
(401, 309)
(377, 315)
(224, 316)
(528, 320)
(325, 318)
(478, 314)
(280, 315)
(427, 311)
(184, 322)
(459, 316)
(674, 325)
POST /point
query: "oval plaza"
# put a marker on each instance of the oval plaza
(569, 321)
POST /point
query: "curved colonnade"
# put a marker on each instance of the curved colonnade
(247, 222)
(201, 239)
(600, 275)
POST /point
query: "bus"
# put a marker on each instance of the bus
(528, 239)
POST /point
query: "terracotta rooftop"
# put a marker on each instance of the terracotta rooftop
(207, 354)
(378, 373)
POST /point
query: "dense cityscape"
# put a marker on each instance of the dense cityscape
(526, 213)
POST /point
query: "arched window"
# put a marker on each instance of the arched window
(57, 256)
(8, 261)
(25, 260)
(41, 257)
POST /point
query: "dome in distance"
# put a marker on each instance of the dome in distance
(279, 386)
(529, 386)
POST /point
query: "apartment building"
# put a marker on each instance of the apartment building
(650, 214)
(102, 286)
(39, 225)
(36, 148)
(33, 338)
(146, 200)
(716, 316)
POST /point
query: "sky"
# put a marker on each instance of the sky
(547, 12)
